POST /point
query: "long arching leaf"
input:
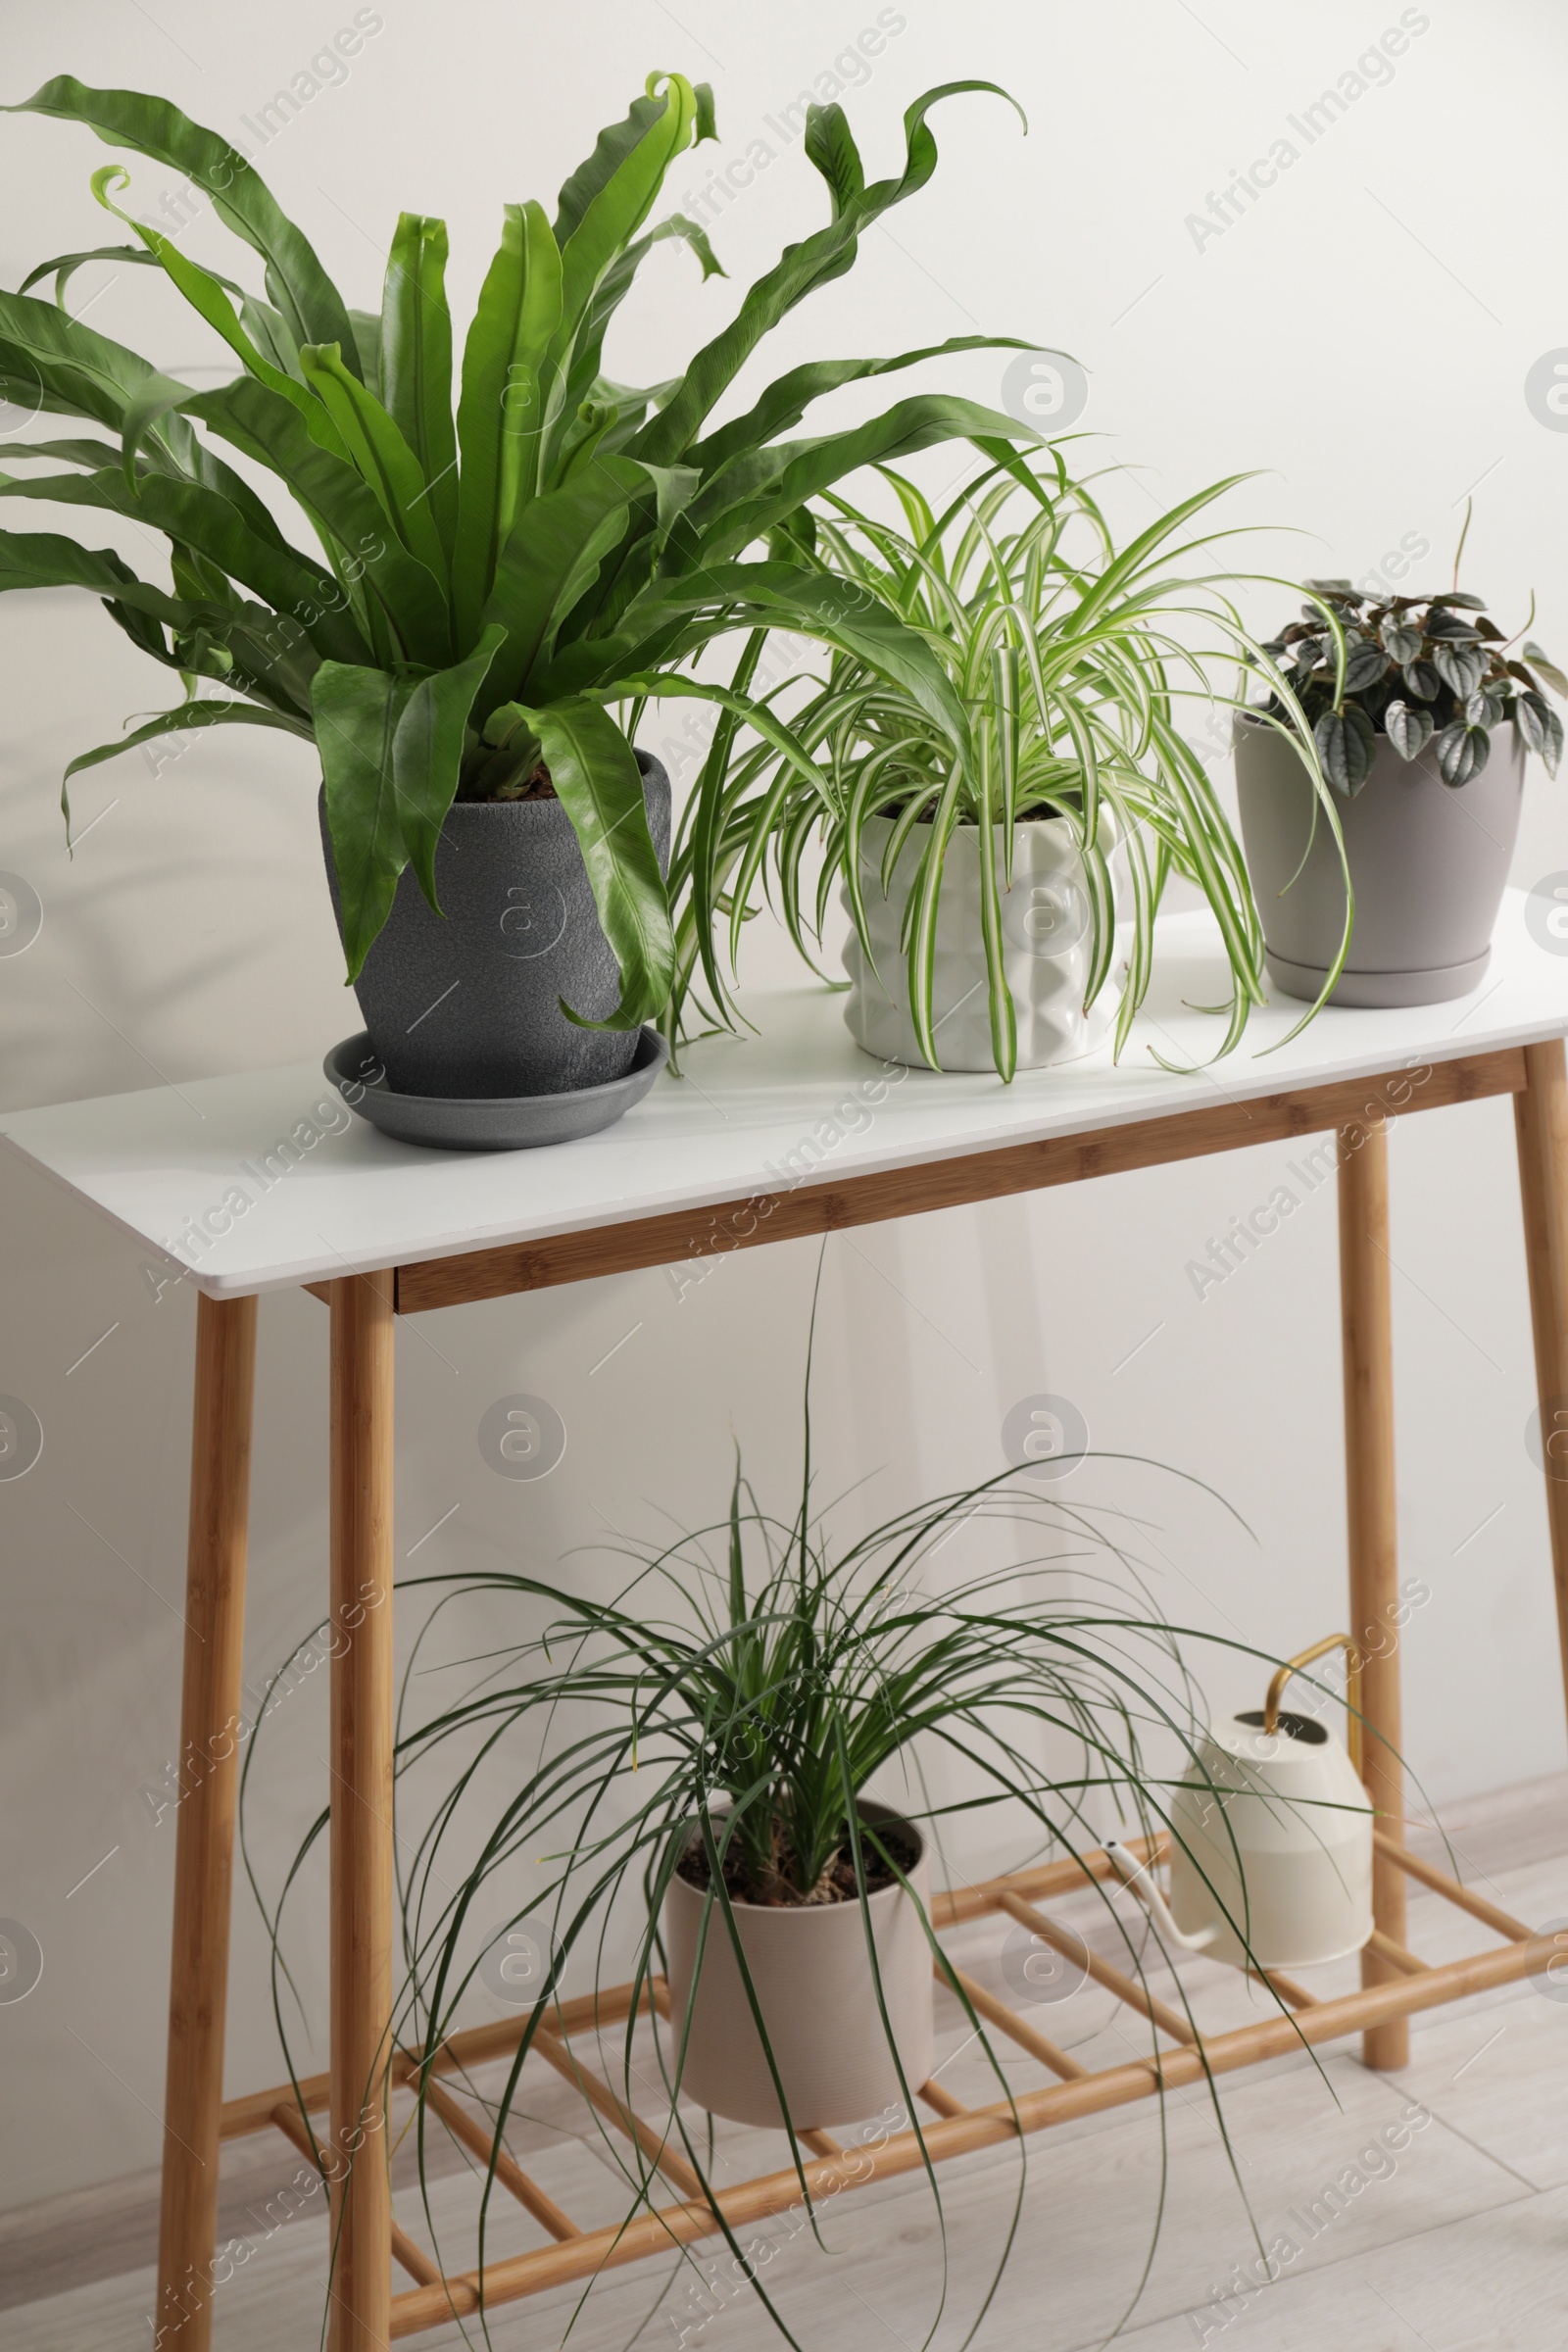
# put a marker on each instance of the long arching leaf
(428, 754)
(549, 560)
(267, 428)
(785, 596)
(295, 278)
(614, 146)
(199, 519)
(1004, 1016)
(356, 713)
(190, 718)
(582, 373)
(758, 490)
(498, 411)
(54, 361)
(799, 270)
(41, 559)
(416, 361)
(380, 453)
(600, 785)
(786, 402)
(207, 296)
(619, 205)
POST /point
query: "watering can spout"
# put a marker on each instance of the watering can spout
(1138, 1878)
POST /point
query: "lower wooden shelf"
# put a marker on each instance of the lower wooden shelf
(1180, 2054)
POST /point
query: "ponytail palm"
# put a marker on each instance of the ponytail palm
(724, 1714)
(495, 569)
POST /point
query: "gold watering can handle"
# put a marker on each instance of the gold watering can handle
(1352, 1689)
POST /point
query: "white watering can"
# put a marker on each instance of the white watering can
(1290, 1796)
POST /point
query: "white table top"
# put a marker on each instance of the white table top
(797, 1102)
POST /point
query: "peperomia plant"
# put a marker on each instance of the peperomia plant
(495, 578)
(1419, 670)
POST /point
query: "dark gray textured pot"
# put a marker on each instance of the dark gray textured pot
(468, 1006)
(1428, 863)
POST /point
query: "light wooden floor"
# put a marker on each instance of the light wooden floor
(1461, 2247)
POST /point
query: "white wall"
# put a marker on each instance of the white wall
(1363, 332)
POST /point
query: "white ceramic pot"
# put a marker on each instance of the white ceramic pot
(811, 1973)
(1048, 935)
(1303, 1825)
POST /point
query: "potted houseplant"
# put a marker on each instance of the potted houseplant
(988, 925)
(494, 579)
(688, 1766)
(1422, 714)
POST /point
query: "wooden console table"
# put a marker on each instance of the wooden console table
(242, 1186)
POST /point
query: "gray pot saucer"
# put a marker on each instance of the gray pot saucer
(494, 1123)
(1437, 985)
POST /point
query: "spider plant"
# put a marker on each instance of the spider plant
(729, 1707)
(493, 578)
(1073, 659)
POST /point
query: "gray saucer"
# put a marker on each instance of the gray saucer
(490, 1123)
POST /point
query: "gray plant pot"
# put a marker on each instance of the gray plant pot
(468, 1005)
(1428, 863)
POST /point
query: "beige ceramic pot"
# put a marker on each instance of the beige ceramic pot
(811, 1973)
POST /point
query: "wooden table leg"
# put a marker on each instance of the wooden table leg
(1541, 1126)
(211, 1737)
(357, 2151)
(1366, 1317)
